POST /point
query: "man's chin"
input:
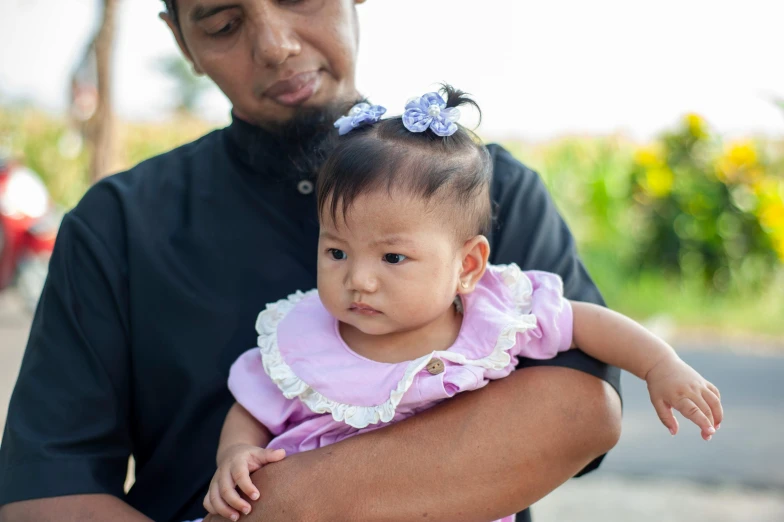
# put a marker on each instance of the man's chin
(280, 118)
(264, 117)
(299, 136)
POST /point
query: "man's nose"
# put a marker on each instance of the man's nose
(275, 39)
(362, 279)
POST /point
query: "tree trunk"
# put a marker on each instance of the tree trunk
(99, 129)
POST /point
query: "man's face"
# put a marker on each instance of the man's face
(271, 57)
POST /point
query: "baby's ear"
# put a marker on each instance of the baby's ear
(475, 253)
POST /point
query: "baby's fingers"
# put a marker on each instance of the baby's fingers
(703, 405)
(242, 479)
(208, 504)
(690, 409)
(267, 456)
(218, 505)
(228, 492)
(714, 401)
(666, 417)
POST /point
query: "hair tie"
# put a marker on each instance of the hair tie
(429, 112)
(359, 115)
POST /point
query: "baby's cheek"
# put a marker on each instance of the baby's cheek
(328, 293)
(424, 306)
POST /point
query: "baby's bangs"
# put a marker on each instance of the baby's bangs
(357, 166)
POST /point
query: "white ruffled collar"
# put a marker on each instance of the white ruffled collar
(315, 366)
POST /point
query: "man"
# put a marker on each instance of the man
(159, 272)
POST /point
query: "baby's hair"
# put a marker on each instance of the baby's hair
(453, 171)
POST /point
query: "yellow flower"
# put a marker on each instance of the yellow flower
(742, 154)
(696, 125)
(647, 157)
(739, 160)
(778, 245)
(659, 181)
(772, 216)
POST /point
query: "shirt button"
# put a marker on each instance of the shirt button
(435, 366)
(305, 187)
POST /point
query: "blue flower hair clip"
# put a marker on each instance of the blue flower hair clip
(429, 112)
(359, 115)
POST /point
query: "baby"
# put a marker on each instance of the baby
(408, 312)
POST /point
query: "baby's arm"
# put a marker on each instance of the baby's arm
(617, 340)
(240, 452)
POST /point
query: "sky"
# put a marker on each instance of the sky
(538, 69)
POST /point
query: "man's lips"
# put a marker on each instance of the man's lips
(295, 89)
(363, 309)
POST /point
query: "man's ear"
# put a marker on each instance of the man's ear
(180, 42)
(475, 253)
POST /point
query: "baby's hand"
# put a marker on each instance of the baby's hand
(234, 469)
(674, 384)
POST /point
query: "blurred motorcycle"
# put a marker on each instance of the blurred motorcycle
(29, 221)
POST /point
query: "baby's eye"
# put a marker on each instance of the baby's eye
(394, 259)
(337, 254)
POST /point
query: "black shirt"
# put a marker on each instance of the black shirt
(154, 286)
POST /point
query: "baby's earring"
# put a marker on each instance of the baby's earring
(463, 284)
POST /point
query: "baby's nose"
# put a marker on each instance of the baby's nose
(362, 280)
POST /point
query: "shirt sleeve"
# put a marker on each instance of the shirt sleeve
(67, 430)
(554, 321)
(254, 390)
(530, 231)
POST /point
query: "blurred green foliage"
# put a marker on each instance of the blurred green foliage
(689, 225)
(705, 208)
(55, 151)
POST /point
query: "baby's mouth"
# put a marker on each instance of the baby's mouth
(363, 309)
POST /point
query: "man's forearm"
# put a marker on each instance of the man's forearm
(72, 508)
(480, 456)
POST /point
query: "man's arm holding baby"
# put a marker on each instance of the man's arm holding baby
(479, 456)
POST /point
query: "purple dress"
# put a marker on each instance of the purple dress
(310, 389)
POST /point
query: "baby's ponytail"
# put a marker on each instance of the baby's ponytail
(457, 98)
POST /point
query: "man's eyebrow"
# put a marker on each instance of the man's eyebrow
(201, 12)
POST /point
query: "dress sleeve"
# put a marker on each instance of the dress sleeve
(553, 331)
(255, 391)
(68, 430)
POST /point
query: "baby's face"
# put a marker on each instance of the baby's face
(391, 266)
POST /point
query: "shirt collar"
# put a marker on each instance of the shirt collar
(254, 147)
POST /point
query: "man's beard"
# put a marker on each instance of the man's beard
(301, 144)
